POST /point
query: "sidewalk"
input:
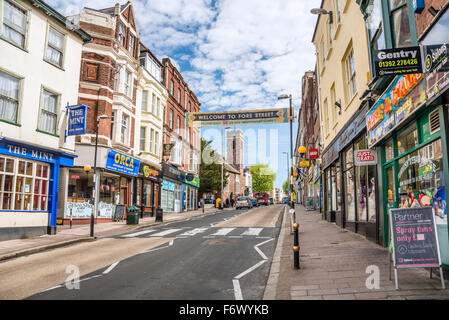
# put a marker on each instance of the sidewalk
(80, 233)
(333, 266)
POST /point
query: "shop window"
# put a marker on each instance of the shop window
(108, 190)
(148, 194)
(349, 185)
(391, 191)
(372, 205)
(25, 185)
(421, 177)
(389, 150)
(407, 139)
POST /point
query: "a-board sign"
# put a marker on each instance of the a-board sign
(119, 213)
(393, 62)
(415, 243)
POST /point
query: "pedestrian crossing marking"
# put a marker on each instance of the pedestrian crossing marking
(137, 233)
(166, 232)
(252, 232)
(194, 232)
(223, 231)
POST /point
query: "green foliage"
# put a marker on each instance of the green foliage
(263, 178)
(210, 170)
(285, 187)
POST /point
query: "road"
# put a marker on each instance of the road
(223, 256)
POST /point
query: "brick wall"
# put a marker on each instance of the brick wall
(424, 19)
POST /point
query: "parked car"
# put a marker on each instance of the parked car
(243, 202)
(285, 200)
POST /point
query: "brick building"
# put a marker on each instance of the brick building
(108, 85)
(178, 192)
(235, 157)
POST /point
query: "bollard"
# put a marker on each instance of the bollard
(71, 218)
(296, 246)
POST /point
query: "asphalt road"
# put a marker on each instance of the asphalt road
(224, 256)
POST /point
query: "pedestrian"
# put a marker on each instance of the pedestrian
(227, 203)
(232, 202)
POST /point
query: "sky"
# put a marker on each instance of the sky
(235, 55)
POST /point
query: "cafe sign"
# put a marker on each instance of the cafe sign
(401, 99)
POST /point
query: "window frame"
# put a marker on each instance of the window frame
(19, 97)
(41, 110)
(27, 23)
(47, 45)
(143, 142)
(124, 137)
(350, 78)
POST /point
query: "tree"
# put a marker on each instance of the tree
(263, 178)
(210, 170)
(285, 187)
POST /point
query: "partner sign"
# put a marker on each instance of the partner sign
(237, 118)
(393, 62)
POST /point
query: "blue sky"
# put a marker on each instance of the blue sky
(234, 54)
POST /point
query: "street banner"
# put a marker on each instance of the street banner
(237, 118)
(365, 157)
(394, 62)
(436, 70)
(414, 238)
(77, 120)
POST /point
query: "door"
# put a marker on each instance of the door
(390, 196)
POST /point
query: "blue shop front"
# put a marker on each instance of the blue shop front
(29, 183)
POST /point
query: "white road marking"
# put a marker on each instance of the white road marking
(112, 266)
(165, 247)
(194, 231)
(252, 232)
(166, 232)
(138, 233)
(223, 231)
(254, 267)
(237, 290)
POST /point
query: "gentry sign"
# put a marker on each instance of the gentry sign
(397, 61)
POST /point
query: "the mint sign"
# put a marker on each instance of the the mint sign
(77, 120)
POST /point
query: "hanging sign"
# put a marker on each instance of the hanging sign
(365, 157)
(398, 61)
(77, 120)
(313, 154)
(304, 164)
(167, 148)
(237, 118)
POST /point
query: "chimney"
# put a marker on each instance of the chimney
(117, 9)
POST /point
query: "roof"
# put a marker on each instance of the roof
(317, 22)
(59, 17)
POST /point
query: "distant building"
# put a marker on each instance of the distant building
(235, 157)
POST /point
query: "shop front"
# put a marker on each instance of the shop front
(29, 183)
(115, 175)
(349, 181)
(172, 188)
(148, 186)
(190, 193)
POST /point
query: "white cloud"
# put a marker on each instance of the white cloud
(241, 54)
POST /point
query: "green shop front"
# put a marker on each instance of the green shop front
(410, 137)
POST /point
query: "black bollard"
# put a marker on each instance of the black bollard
(296, 246)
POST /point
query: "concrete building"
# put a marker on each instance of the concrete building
(40, 57)
(108, 85)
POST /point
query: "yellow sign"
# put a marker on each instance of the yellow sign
(304, 164)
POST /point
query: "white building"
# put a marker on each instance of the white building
(40, 58)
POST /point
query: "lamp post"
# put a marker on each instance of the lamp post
(282, 97)
(94, 198)
(222, 162)
(288, 170)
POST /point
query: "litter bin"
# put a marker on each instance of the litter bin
(159, 214)
(132, 218)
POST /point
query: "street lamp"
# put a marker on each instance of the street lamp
(94, 198)
(282, 97)
(222, 161)
(320, 11)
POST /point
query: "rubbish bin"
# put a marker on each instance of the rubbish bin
(159, 214)
(132, 218)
